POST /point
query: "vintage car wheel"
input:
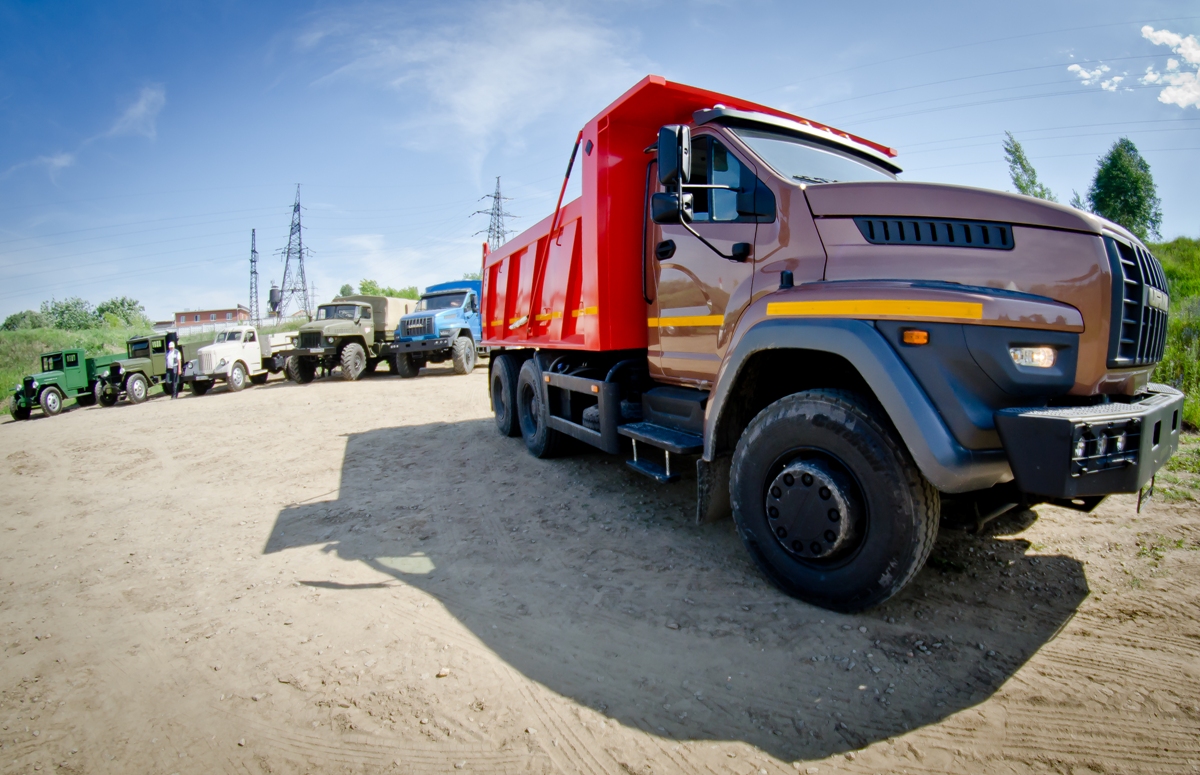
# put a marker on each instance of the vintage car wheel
(300, 370)
(51, 400)
(463, 355)
(106, 396)
(504, 393)
(136, 388)
(199, 388)
(533, 414)
(829, 503)
(237, 377)
(259, 379)
(17, 411)
(353, 361)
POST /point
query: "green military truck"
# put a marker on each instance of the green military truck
(144, 365)
(352, 333)
(65, 374)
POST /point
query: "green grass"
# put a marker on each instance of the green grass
(1180, 366)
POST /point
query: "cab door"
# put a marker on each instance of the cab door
(699, 295)
(158, 356)
(74, 372)
(251, 351)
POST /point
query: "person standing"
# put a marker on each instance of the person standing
(174, 368)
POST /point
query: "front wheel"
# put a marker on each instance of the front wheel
(259, 379)
(17, 411)
(300, 370)
(51, 400)
(353, 361)
(200, 388)
(405, 365)
(829, 503)
(462, 354)
(504, 392)
(237, 377)
(137, 388)
(533, 413)
(106, 395)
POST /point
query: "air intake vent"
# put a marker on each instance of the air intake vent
(310, 340)
(943, 233)
(1139, 306)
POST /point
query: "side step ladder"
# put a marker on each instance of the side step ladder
(668, 440)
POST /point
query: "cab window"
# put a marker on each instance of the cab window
(250, 336)
(366, 313)
(158, 346)
(52, 362)
(72, 359)
(713, 164)
(139, 349)
(233, 336)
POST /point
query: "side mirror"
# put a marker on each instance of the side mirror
(357, 314)
(674, 154)
(671, 208)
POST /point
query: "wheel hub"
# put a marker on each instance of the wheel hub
(813, 510)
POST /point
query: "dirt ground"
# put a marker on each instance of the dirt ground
(364, 577)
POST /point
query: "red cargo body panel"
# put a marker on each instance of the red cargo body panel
(588, 274)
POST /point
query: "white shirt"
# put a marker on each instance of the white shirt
(172, 359)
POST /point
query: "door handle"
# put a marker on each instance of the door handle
(664, 250)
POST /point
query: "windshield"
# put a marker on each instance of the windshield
(229, 336)
(331, 311)
(139, 349)
(52, 362)
(441, 301)
(808, 162)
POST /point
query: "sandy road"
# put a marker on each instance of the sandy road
(273, 581)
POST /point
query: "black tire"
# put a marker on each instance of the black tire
(51, 400)
(372, 364)
(862, 518)
(137, 388)
(504, 392)
(353, 360)
(405, 365)
(237, 377)
(85, 399)
(463, 355)
(17, 411)
(259, 379)
(300, 370)
(200, 388)
(533, 413)
(107, 396)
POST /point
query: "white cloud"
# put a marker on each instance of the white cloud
(52, 164)
(1180, 86)
(140, 118)
(1111, 83)
(1088, 77)
(489, 75)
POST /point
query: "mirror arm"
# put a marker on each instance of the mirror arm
(696, 234)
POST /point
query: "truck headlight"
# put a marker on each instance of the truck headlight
(329, 340)
(1034, 357)
(221, 364)
(34, 384)
(446, 331)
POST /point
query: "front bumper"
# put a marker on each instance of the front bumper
(421, 345)
(1081, 451)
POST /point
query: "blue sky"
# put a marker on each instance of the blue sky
(141, 142)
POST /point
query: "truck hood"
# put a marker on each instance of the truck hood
(333, 327)
(218, 348)
(902, 199)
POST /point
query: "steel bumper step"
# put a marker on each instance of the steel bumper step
(669, 439)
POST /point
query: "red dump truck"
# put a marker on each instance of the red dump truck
(841, 352)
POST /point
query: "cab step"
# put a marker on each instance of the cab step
(668, 440)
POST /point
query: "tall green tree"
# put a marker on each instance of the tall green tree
(27, 319)
(1020, 170)
(372, 288)
(472, 275)
(346, 290)
(73, 314)
(129, 311)
(1123, 190)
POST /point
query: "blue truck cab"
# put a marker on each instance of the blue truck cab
(444, 327)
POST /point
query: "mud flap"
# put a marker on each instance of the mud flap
(712, 490)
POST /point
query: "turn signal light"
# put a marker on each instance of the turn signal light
(1034, 357)
(915, 336)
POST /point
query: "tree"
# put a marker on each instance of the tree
(346, 290)
(1024, 177)
(472, 275)
(71, 314)
(372, 288)
(123, 309)
(22, 320)
(1123, 190)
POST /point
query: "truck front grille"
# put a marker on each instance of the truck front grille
(1139, 324)
(206, 363)
(28, 386)
(416, 327)
(310, 339)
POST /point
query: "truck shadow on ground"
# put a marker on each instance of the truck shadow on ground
(595, 583)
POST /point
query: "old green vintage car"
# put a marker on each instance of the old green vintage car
(65, 374)
(144, 366)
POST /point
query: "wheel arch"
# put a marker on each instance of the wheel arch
(780, 357)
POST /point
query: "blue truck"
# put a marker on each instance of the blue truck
(444, 327)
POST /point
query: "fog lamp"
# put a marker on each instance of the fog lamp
(1034, 357)
(1101, 444)
(1080, 447)
(1120, 441)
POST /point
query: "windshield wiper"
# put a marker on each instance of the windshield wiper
(811, 179)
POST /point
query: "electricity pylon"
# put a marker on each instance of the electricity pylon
(253, 280)
(294, 284)
(496, 231)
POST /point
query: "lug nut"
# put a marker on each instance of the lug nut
(834, 516)
(773, 513)
(830, 536)
(825, 493)
(781, 532)
(816, 547)
(789, 480)
(776, 492)
(807, 479)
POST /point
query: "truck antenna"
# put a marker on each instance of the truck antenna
(496, 231)
(294, 284)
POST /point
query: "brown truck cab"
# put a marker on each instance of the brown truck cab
(841, 351)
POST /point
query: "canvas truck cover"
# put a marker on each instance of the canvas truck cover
(386, 311)
(580, 287)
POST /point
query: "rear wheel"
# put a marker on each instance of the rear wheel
(504, 392)
(200, 388)
(17, 411)
(136, 388)
(405, 365)
(300, 370)
(463, 355)
(353, 361)
(85, 399)
(829, 503)
(106, 395)
(259, 379)
(237, 377)
(533, 413)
